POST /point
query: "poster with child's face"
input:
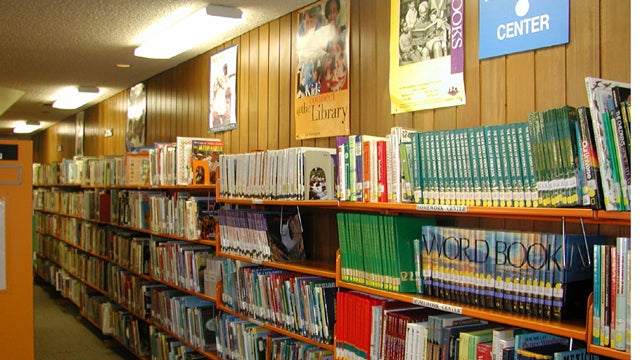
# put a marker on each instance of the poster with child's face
(322, 70)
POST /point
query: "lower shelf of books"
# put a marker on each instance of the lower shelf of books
(574, 329)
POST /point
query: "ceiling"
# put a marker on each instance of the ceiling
(46, 45)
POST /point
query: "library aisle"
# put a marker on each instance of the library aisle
(59, 335)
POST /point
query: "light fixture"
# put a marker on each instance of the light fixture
(27, 127)
(202, 25)
(74, 97)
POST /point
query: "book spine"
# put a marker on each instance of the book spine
(425, 167)
(382, 171)
(622, 244)
(416, 172)
(621, 146)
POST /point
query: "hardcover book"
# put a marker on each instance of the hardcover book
(598, 94)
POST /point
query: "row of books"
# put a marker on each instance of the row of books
(298, 173)
(124, 247)
(262, 235)
(180, 214)
(91, 269)
(241, 339)
(482, 166)
(299, 303)
(537, 274)
(189, 317)
(187, 161)
(612, 295)
(371, 327)
(132, 331)
(178, 262)
(165, 346)
(377, 250)
(544, 275)
(610, 109)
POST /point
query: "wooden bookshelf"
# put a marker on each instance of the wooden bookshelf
(106, 259)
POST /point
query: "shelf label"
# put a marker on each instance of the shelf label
(442, 208)
(256, 261)
(437, 305)
(256, 201)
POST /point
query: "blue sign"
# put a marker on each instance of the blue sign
(511, 26)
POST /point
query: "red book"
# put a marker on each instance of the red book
(383, 194)
(483, 351)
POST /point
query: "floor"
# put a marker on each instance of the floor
(60, 335)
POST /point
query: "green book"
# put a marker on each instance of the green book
(416, 164)
(404, 230)
(470, 340)
(425, 167)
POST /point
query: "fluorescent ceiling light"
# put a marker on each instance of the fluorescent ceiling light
(73, 98)
(27, 127)
(199, 27)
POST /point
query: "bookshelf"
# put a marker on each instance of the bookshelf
(578, 329)
(68, 256)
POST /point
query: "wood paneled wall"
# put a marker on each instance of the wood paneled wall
(499, 90)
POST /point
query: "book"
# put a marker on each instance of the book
(319, 174)
(575, 354)
(206, 149)
(598, 94)
(537, 339)
(592, 191)
(205, 154)
(137, 168)
(622, 147)
(621, 290)
(484, 351)
(469, 341)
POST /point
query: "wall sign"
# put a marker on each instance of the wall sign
(511, 26)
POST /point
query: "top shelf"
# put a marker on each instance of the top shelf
(133, 187)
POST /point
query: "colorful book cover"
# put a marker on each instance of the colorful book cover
(592, 191)
(381, 161)
(319, 176)
(598, 94)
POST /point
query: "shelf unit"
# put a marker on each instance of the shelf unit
(578, 330)
(193, 189)
(575, 329)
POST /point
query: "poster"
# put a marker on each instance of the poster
(222, 90)
(426, 54)
(79, 134)
(136, 117)
(322, 72)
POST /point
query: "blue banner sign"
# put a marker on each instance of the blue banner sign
(511, 26)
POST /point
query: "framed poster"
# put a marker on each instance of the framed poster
(222, 90)
(426, 54)
(79, 134)
(136, 117)
(322, 72)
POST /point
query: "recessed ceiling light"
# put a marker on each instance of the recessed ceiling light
(123, 66)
